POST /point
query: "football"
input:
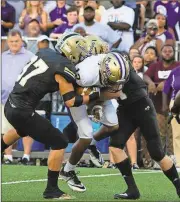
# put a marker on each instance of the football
(83, 91)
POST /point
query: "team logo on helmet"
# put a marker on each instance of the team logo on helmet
(114, 70)
(73, 46)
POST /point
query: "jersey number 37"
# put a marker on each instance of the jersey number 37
(39, 68)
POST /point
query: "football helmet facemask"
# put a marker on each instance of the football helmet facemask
(73, 46)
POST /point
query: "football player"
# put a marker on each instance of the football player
(137, 110)
(95, 46)
(103, 70)
(47, 72)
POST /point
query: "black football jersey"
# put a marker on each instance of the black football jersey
(38, 78)
(134, 89)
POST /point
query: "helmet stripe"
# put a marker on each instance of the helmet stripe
(121, 63)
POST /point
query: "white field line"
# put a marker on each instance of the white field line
(86, 176)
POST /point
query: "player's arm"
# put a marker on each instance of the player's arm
(107, 95)
(71, 99)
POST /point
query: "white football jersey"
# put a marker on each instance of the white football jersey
(88, 71)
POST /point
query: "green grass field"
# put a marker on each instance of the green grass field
(26, 183)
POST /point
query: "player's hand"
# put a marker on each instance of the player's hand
(152, 88)
(95, 90)
(160, 86)
(97, 113)
(94, 94)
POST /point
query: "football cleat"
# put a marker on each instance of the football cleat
(128, 195)
(8, 162)
(96, 156)
(135, 166)
(72, 180)
(25, 161)
(156, 166)
(56, 193)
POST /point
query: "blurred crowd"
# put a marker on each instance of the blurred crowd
(147, 30)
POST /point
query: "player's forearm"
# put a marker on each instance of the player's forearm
(106, 95)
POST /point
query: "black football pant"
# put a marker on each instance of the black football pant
(140, 114)
(29, 123)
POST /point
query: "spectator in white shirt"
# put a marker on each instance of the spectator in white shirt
(95, 28)
(121, 19)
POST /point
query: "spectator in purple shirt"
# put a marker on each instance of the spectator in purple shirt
(72, 17)
(161, 7)
(165, 35)
(172, 10)
(174, 17)
(171, 87)
(7, 17)
(58, 15)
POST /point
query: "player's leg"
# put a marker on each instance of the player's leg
(132, 151)
(147, 121)
(8, 137)
(110, 126)
(27, 145)
(40, 129)
(117, 144)
(44, 132)
(85, 132)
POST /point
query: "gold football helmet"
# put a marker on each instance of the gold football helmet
(114, 71)
(73, 46)
(96, 45)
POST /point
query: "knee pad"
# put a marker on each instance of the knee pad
(155, 149)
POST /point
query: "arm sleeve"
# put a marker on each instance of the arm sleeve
(68, 72)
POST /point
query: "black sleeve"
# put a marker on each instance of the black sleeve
(67, 70)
